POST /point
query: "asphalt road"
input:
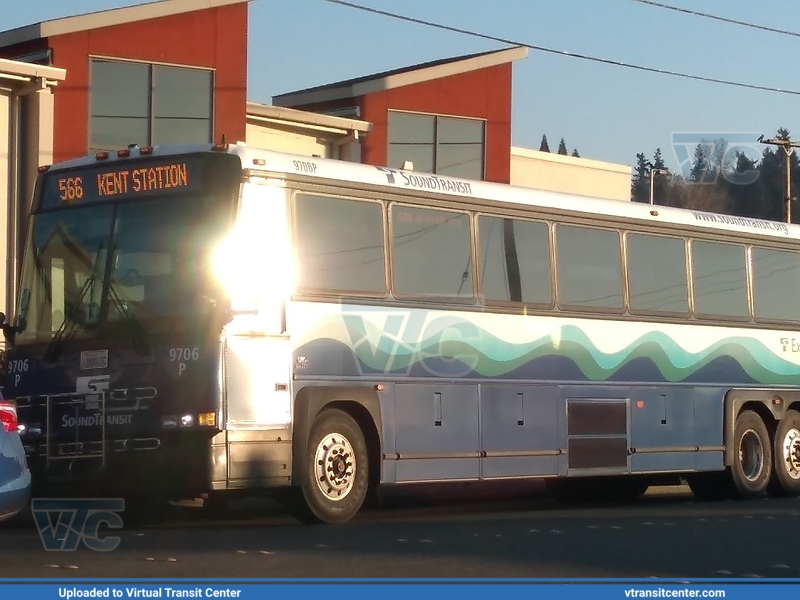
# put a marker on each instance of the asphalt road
(661, 535)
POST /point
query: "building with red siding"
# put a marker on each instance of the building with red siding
(451, 116)
(172, 71)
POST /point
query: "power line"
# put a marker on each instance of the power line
(718, 18)
(605, 61)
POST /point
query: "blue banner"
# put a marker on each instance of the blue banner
(256, 589)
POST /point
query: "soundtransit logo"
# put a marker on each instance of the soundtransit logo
(718, 156)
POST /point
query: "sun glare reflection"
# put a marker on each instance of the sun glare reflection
(254, 262)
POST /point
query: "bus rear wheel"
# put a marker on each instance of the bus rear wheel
(752, 462)
(787, 454)
(336, 474)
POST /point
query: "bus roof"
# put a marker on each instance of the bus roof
(391, 178)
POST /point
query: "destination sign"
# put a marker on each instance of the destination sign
(123, 181)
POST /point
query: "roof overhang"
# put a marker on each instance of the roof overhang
(29, 73)
(292, 117)
(108, 18)
(369, 86)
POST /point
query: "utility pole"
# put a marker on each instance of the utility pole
(788, 148)
(653, 173)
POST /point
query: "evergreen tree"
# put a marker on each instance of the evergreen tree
(700, 165)
(658, 160)
(562, 147)
(575, 153)
(640, 187)
(544, 146)
(743, 187)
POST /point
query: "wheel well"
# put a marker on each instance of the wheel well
(364, 419)
(762, 411)
(736, 401)
(360, 402)
(794, 406)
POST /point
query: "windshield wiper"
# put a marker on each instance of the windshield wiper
(69, 321)
(131, 322)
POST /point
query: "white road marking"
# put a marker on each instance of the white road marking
(722, 572)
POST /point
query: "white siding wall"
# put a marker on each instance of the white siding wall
(558, 173)
(279, 140)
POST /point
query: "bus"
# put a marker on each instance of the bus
(194, 321)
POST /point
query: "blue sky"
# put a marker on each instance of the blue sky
(606, 112)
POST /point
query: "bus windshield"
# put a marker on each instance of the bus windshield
(94, 269)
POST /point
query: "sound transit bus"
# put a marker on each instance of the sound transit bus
(200, 320)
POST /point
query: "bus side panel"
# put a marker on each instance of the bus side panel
(520, 425)
(437, 431)
(709, 418)
(676, 429)
(663, 429)
(257, 411)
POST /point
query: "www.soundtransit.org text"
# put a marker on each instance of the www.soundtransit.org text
(670, 593)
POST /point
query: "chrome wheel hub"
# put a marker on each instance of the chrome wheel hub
(791, 453)
(335, 466)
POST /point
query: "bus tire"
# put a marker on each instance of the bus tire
(786, 451)
(752, 465)
(336, 477)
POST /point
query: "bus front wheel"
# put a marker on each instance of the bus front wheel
(336, 474)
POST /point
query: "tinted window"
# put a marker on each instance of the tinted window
(719, 278)
(339, 244)
(181, 105)
(443, 145)
(432, 254)
(459, 147)
(589, 267)
(776, 284)
(657, 274)
(119, 104)
(140, 103)
(412, 137)
(514, 260)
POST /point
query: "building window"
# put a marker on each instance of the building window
(434, 144)
(145, 104)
